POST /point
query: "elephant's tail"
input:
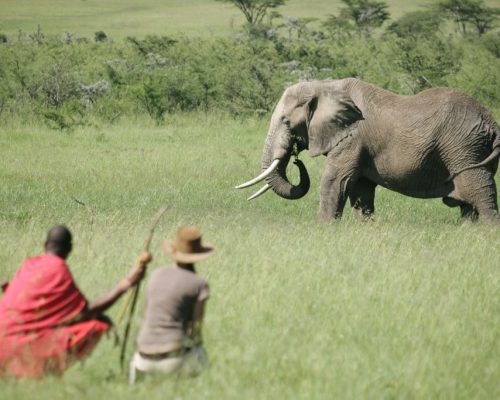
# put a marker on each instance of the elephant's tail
(495, 153)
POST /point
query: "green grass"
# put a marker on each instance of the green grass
(123, 18)
(405, 306)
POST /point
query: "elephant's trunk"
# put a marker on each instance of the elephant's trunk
(277, 152)
(280, 184)
(279, 146)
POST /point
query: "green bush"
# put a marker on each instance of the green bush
(151, 96)
(67, 82)
(491, 42)
(100, 36)
(479, 75)
(426, 62)
(415, 24)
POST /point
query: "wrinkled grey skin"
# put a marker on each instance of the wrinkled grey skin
(426, 146)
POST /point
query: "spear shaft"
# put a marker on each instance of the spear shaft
(134, 293)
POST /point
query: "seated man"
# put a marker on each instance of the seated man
(45, 321)
(170, 337)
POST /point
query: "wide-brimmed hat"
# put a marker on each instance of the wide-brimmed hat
(187, 247)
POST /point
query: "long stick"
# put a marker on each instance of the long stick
(134, 293)
(147, 243)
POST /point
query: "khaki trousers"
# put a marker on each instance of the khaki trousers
(189, 364)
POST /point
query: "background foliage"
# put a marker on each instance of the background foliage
(68, 80)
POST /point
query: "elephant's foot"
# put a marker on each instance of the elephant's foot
(476, 194)
(489, 216)
(468, 212)
(329, 217)
(362, 197)
(332, 207)
(362, 214)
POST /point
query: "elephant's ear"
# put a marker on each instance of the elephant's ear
(327, 116)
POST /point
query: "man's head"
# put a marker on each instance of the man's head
(58, 241)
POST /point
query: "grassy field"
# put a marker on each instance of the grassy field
(123, 18)
(406, 306)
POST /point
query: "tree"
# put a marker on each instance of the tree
(473, 12)
(299, 25)
(255, 10)
(338, 28)
(416, 23)
(491, 42)
(484, 18)
(366, 14)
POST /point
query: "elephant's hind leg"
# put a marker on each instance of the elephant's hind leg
(478, 194)
(467, 211)
(362, 198)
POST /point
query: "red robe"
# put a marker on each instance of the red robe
(36, 336)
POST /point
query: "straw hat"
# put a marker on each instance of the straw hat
(187, 247)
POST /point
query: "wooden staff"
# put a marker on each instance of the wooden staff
(134, 293)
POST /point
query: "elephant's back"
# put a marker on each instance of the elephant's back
(452, 104)
(428, 136)
(443, 114)
(462, 131)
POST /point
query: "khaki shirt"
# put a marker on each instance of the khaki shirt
(171, 296)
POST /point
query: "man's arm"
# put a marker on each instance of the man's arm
(196, 324)
(106, 301)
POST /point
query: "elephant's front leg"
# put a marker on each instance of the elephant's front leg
(333, 192)
(362, 196)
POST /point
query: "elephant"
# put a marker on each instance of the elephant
(437, 143)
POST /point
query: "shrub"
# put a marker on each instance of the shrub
(491, 42)
(67, 82)
(416, 23)
(426, 62)
(478, 75)
(100, 36)
(151, 96)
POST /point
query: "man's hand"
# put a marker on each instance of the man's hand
(137, 272)
(145, 258)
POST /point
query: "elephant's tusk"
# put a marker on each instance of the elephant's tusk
(261, 177)
(261, 191)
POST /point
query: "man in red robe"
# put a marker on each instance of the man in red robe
(45, 321)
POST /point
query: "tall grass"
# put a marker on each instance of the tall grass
(405, 306)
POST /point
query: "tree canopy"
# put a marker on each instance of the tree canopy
(416, 23)
(473, 12)
(255, 10)
(366, 14)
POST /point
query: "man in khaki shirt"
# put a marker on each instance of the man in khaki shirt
(170, 337)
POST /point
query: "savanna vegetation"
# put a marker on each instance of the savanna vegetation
(69, 80)
(403, 306)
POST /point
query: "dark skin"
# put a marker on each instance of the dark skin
(59, 243)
